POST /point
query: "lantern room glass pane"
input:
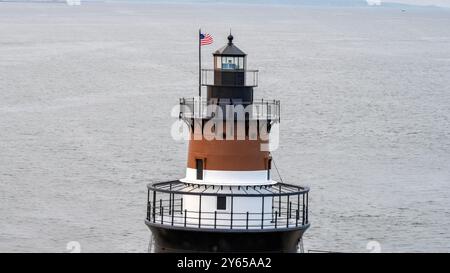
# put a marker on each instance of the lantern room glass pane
(229, 63)
(240, 63)
(218, 62)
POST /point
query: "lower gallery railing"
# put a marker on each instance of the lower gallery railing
(287, 211)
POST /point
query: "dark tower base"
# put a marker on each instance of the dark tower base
(197, 240)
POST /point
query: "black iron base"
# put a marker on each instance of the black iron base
(168, 239)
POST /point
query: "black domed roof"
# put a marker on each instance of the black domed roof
(230, 49)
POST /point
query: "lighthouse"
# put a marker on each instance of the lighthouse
(228, 200)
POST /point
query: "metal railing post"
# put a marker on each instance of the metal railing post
(154, 206)
(162, 215)
(271, 213)
(303, 210)
(181, 208)
(262, 213)
(287, 207)
(172, 216)
(185, 215)
(215, 219)
(231, 222)
(173, 203)
(307, 205)
(170, 200)
(200, 211)
(287, 221)
(246, 223)
(279, 201)
(276, 219)
(296, 218)
(290, 209)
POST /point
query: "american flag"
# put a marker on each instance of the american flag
(206, 39)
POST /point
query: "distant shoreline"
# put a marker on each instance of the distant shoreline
(306, 3)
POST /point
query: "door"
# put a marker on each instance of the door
(199, 166)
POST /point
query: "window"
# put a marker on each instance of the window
(229, 63)
(199, 167)
(221, 202)
(240, 63)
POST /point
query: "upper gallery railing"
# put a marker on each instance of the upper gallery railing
(230, 77)
(255, 110)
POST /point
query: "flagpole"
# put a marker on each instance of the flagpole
(199, 64)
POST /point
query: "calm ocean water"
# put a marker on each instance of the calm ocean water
(86, 94)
